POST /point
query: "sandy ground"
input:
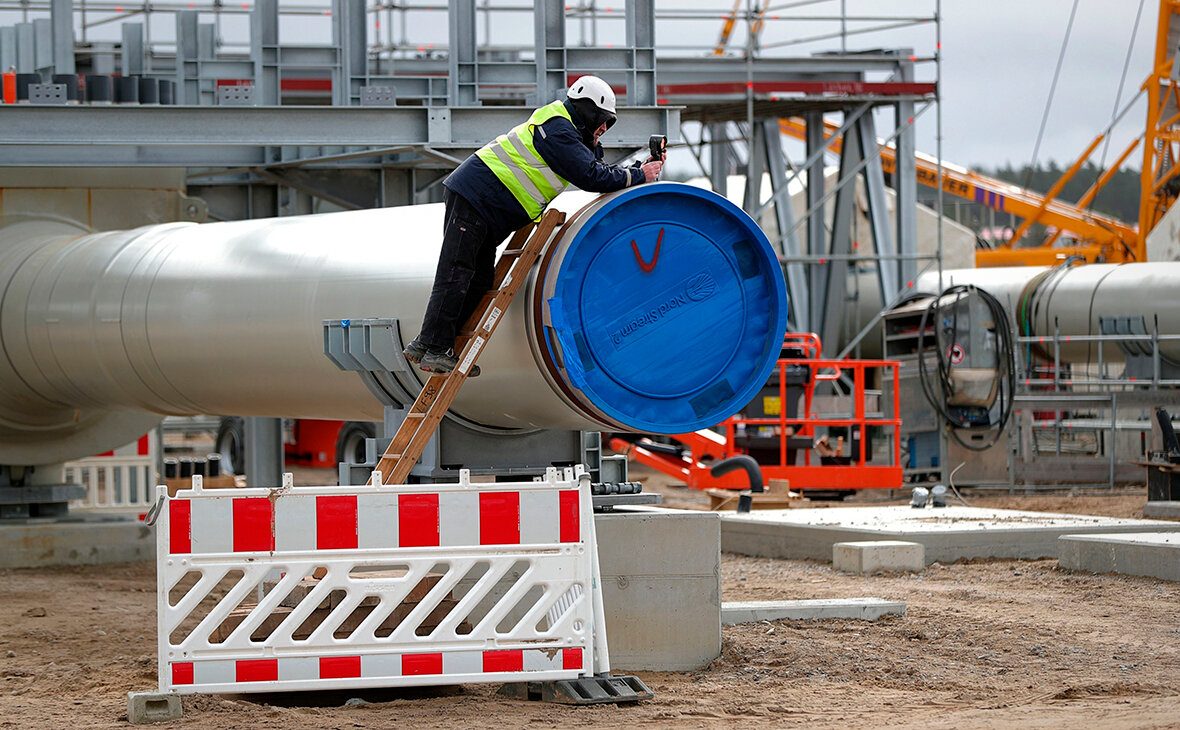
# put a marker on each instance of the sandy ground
(985, 644)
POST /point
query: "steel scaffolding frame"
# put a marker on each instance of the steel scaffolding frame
(390, 124)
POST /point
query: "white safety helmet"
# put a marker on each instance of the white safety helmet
(594, 89)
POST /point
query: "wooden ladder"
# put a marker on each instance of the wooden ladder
(436, 396)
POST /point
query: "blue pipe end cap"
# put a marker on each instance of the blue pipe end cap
(670, 307)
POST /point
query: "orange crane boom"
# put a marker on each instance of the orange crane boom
(1104, 238)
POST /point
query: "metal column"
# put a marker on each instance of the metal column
(816, 222)
(264, 452)
(264, 50)
(719, 156)
(830, 298)
(464, 63)
(132, 57)
(349, 34)
(784, 213)
(755, 166)
(188, 90)
(549, 37)
(874, 178)
(7, 49)
(43, 46)
(641, 40)
(25, 46)
(62, 14)
(905, 180)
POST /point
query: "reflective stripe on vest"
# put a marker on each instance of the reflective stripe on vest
(517, 164)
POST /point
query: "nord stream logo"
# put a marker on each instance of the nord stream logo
(696, 288)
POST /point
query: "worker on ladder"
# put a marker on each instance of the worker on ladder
(503, 186)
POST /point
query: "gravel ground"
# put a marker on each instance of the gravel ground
(984, 644)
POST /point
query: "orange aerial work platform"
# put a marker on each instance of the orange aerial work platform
(782, 434)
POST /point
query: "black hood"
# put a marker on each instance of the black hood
(587, 117)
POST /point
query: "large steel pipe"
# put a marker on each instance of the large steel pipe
(660, 308)
(1072, 301)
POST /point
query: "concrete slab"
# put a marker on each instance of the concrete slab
(76, 541)
(1151, 554)
(869, 609)
(1162, 510)
(873, 555)
(661, 578)
(948, 533)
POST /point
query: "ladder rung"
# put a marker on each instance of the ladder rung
(511, 252)
(415, 415)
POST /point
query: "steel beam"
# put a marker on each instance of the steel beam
(212, 135)
(878, 207)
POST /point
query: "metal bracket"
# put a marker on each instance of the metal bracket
(582, 691)
(373, 348)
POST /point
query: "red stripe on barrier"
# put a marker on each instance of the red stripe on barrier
(257, 670)
(499, 518)
(417, 520)
(509, 660)
(180, 530)
(421, 664)
(182, 673)
(571, 658)
(335, 522)
(340, 667)
(254, 522)
(141, 446)
(568, 507)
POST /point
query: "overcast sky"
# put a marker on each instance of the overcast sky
(998, 63)
(998, 59)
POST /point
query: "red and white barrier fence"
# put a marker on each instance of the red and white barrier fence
(303, 588)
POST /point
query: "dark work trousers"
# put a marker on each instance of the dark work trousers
(466, 266)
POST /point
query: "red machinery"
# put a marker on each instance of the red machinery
(779, 434)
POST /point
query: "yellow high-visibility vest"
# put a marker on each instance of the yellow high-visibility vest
(517, 164)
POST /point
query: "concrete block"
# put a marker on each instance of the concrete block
(1162, 510)
(148, 707)
(873, 555)
(1150, 554)
(948, 533)
(868, 609)
(76, 541)
(661, 577)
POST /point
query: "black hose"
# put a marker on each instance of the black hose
(938, 392)
(744, 462)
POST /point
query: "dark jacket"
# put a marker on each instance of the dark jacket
(560, 144)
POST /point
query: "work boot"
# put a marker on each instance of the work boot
(415, 351)
(441, 363)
